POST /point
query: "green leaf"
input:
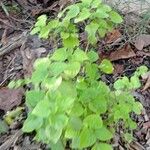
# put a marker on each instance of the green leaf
(72, 41)
(58, 121)
(33, 97)
(70, 133)
(141, 71)
(35, 30)
(102, 32)
(103, 134)
(105, 8)
(61, 13)
(44, 32)
(106, 66)
(99, 105)
(87, 2)
(79, 107)
(53, 24)
(73, 128)
(71, 90)
(93, 121)
(52, 84)
(42, 109)
(118, 85)
(75, 142)
(103, 24)
(73, 12)
(115, 17)
(42, 62)
(76, 123)
(92, 71)
(39, 75)
(132, 125)
(41, 70)
(72, 69)
(96, 3)
(83, 15)
(102, 146)
(65, 103)
(93, 56)
(87, 138)
(65, 35)
(137, 108)
(18, 83)
(135, 82)
(101, 14)
(41, 135)
(53, 134)
(60, 54)
(91, 29)
(121, 83)
(58, 146)
(41, 21)
(88, 94)
(57, 68)
(79, 56)
(32, 123)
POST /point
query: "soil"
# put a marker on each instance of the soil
(19, 50)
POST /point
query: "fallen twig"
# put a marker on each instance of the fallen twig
(15, 43)
(10, 141)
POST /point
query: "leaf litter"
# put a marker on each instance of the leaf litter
(114, 36)
(125, 52)
(147, 78)
(142, 41)
(9, 98)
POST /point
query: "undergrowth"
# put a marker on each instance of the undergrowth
(68, 102)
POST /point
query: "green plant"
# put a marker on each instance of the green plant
(97, 18)
(67, 100)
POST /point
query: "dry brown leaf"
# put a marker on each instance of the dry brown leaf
(142, 53)
(147, 84)
(10, 98)
(142, 41)
(113, 36)
(123, 53)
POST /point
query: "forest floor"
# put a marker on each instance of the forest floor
(127, 46)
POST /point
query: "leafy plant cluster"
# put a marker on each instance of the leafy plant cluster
(97, 18)
(68, 101)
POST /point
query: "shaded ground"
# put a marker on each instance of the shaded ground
(18, 51)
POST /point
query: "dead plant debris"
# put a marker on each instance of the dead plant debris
(10, 98)
(142, 41)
